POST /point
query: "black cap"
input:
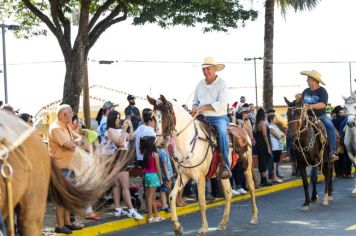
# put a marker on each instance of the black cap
(131, 97)
(337, 109)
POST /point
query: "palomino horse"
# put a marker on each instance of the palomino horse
(350, 131)
(194, 157)
(24, 159)
(309, 142)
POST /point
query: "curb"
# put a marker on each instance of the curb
(122, 224)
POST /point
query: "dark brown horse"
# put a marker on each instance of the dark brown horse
(34, 173)
(310, 148)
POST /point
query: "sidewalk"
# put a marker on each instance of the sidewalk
(110, 223)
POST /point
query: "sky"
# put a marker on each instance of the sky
(150, 60)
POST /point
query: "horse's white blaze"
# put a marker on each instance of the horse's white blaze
(159, 130)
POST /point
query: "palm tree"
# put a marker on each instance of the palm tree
(297, 5)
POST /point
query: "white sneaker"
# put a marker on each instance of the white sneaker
(235, 192)
(120, 212)
(158, 219)
(133, 213)
(241, 190)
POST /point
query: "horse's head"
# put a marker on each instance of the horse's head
(165, 118)
(294, 116)
(350, 110)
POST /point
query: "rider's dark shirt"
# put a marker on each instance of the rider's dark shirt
(134, 114)
(314, 97)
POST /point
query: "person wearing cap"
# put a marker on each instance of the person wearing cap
(102, 117)
(242, 102)
(315, 99)
(210, 99)
(26, 117)
(132, 112)
(343, 167)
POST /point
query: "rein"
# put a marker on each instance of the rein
(308, 124)
(185, 127)
(193, 142)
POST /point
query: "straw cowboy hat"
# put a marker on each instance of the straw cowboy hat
(313, 74)
(210, 61)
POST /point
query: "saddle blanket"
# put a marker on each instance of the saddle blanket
(13, 132)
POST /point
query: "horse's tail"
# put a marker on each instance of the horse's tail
(77, 197)
(65, 194)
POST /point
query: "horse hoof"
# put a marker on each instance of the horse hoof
(202, 232)
(330, 198)
(221, 227)
(254, 221)
(325, 202)
(179, 231)
(304, 208)
(353, 194)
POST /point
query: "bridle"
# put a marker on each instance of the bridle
(296, 140)
(167, 109)
(164, 109)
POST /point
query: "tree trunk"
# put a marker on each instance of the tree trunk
(73, 82)
(86, 102)
(268, 56)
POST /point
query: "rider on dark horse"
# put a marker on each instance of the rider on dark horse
(315, 99)
(210, 99)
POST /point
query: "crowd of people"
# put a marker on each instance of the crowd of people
(136, 130)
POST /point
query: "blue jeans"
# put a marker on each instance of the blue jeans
(330, 130)
(221, 124)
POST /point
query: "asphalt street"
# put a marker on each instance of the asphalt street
(279, 214)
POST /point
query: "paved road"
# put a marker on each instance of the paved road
(279, 215)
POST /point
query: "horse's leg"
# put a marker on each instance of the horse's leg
(353, 160)
(251, 187)
(330, 185)
(228, 194)
(314, 180)
(31, 212)
(303, 172)
(325, 170)
(202, 204)
(180, 182)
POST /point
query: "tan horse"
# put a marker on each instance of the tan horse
(194, 160)
(34, 173)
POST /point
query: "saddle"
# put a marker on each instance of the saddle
(13, 132)
(238, 139)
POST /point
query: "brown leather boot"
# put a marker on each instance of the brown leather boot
(333, 157)
(226, 173)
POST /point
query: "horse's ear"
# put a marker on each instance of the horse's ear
(152, 101)
(343, 97)
(163, 99)
(287, 102)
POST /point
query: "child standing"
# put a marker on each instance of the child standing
(167, 177)
(152, 175)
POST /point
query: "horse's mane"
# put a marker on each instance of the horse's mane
(178, 109)
(351, 99)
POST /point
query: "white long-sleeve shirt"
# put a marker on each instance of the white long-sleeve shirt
(215, 94)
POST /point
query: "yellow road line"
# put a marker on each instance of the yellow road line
(122, 224)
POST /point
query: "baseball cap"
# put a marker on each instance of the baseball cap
(131, 97)
(109, 104)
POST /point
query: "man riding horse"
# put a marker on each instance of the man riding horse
(210, 99)
(315, 99)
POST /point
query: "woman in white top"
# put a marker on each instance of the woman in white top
(116, 137)
(277, 145)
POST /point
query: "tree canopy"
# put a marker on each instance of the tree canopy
(93, 17)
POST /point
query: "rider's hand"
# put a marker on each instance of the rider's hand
(196, 111)
(306, 107)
